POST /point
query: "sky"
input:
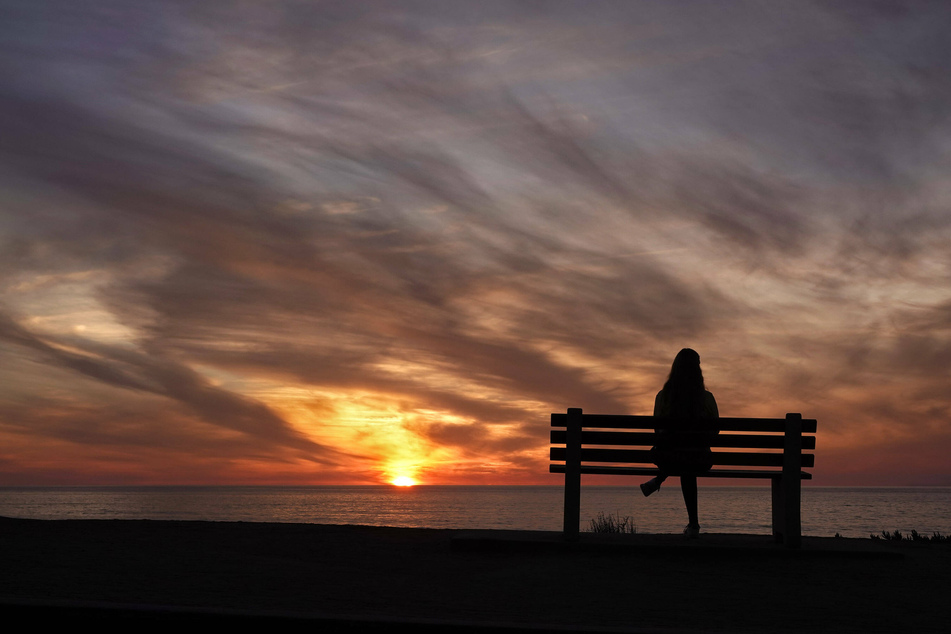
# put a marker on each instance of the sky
(300, 242)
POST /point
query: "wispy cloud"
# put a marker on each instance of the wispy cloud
(250, 229)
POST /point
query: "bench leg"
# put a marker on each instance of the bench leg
(778, 508)
(573, 476)
(792, 522)
(572, 526)
(791, 482)
(787, 521)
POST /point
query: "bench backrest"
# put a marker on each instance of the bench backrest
(744, 443)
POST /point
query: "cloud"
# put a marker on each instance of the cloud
(130, 370)
(488, 217)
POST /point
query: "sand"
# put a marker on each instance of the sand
(370, 575)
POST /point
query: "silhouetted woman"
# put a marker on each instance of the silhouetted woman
(683, 449)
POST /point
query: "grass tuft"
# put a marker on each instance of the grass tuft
(613, 524)
(914, 536)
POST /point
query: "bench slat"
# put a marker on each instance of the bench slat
(629, 421)
(652, 471)
(647, 439)
(637, 456)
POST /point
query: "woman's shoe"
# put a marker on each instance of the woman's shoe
(692, 532)
(650, 486)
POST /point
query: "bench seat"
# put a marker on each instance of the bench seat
(652, 471)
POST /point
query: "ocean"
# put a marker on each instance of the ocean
(849, 511)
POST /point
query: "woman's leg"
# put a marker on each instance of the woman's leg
(653, 484)
(688, 485)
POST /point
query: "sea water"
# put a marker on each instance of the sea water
(851, 512)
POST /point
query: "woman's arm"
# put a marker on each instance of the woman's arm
(661, 409)
(710, 406)
(710, 411)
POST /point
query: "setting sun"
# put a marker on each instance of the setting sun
(403, 481)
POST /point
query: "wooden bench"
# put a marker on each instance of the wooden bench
(764, 448)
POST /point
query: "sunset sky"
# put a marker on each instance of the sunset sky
(344, 242)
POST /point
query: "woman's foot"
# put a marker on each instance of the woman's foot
(650, 486)
(692, 531)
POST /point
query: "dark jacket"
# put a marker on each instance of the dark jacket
(683, 445)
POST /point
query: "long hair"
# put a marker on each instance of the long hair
(684, 387)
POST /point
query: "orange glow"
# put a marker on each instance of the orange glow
(403, 481)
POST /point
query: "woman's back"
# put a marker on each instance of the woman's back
(665, 405)
(697, 421)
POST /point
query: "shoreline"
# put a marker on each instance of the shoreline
(386, 574)
(826, 511)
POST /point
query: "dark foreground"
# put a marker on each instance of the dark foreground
(342, 576)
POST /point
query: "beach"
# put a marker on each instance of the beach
(365, 575)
